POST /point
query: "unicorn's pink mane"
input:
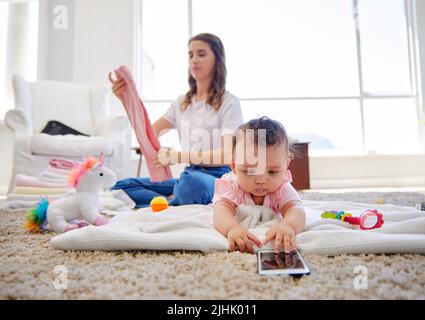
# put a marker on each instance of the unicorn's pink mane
(76, 173)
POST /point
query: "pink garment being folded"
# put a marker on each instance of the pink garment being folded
(22, 180)
(146, 136)
(63, 163)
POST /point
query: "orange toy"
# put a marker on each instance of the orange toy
(159, 204)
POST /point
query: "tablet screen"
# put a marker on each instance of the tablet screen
(273, 261)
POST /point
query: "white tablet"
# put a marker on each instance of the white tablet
(270, 263)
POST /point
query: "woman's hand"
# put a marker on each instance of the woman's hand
(117, 86)
(283, 235)
(165, 157)
(242, 239)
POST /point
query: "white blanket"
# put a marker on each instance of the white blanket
(191, 228)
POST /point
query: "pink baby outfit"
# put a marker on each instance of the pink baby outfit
(227, 189)
(139, 119)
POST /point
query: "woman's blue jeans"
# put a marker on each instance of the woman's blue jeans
(195, 186)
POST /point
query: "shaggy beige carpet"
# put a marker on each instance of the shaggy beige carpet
(31, 269)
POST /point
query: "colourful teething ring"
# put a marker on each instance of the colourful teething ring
(361, 220)
(368, 214)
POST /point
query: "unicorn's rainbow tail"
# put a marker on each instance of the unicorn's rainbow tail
(37, 216)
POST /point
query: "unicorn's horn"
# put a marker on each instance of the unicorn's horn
(101, 158)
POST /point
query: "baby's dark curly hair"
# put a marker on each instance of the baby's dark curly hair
(275, 133)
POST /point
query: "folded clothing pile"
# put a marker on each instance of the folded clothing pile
(52, 182)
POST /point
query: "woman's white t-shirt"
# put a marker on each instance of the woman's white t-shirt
(200, 126)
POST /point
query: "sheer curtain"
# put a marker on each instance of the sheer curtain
(18, 46)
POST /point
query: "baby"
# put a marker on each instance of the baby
(265, 182)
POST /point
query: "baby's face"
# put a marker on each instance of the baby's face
(261, 179)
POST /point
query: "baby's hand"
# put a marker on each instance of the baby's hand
(241, 238)
(281, 232)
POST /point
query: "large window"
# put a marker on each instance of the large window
(337, 73)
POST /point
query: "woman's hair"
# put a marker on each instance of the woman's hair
(218, 83)
(275, 133)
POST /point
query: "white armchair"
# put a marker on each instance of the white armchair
(84, 108)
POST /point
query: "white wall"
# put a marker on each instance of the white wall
(99, 38)
(56, 44)
(104, 38)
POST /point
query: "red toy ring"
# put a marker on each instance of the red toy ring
(370, 219)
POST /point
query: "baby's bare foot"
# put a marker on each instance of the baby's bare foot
(100, 220)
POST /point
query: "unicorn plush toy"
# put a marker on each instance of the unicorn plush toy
(62, 215)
